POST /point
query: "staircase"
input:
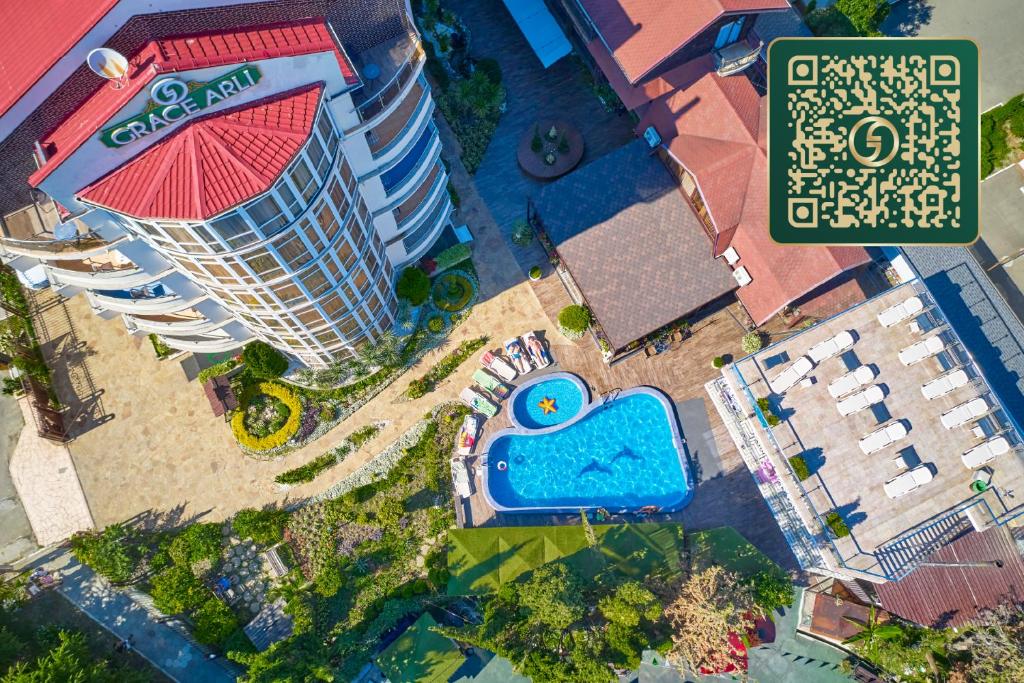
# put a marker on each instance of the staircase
(899, 557)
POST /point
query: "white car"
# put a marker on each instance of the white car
(861, 400)
(902, 484)
(841, 386)
(791, 375)
(942, 385)
(880, 438)
(900, 312)
(964, 413)
(832, 346)
(915, 353)
(984, 453)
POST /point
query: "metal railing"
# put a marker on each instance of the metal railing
(383, 98)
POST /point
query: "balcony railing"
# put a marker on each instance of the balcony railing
(732, 59)
(371, 100)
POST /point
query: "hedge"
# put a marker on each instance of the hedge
(573, 321)
(263, 360)
(312, 469)
(444, 367)
(219, 369)
(281, 436)
(836, 524)
(799, 466)
(451, 256)
(413, 286)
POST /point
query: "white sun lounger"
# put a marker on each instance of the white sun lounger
(964, 413)
(791, 375)
(880, 438)
(841, 386)
(860, 400)
(516, 352)
(900, 312)
(902, 484)
(498, 366)
(541, 359)
(984, 453)
(478, 402)
(460, 478)
(942, 385)
(915, 353)
(832, 346)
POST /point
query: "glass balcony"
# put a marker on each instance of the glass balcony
(39, 230)
(734, 58)
(418, 199)
(387, 133)
(386, 70)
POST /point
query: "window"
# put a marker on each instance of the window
(338, 197)
(332, 305)
(315, 281)
(317, 156)
(348, 177)
(288, 197)
(287, 292)
(730, 33)
(303, 179)
(267, 214)
(294, 252)
(262, 263)
(234, 230)
(401, 171)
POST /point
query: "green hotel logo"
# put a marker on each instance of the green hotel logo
(873, 141)
(173, 100)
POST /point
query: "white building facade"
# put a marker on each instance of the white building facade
(261, 180)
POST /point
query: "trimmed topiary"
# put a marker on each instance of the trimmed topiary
(436, 324)
(799, 466)
(717, 362)
(836, 524)
(752, 342)
(413, 286)
(535, 273)
(263, 360)
(573, 321)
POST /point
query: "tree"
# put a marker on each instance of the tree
(772, 589)
(386, 352)
(630, 603)
(263, 360)
(195, 543)
(177, 590)
(413, 286)
(70, 660)
(265, 527)
(552, 598)
(872, 630)
(573, 321)
(112, 552)
(703, 611)
(752, 342)
(865, 15)
(995, 646)
(214, 622)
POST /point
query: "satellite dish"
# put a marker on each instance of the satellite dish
(108, 64)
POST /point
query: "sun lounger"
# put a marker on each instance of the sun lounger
(791, 375)
(860, 400)
(851, 381)
(498, 366)
(915, 353)
(517, 354)
(832, 346)
(902, 484)
(900, 312)
(942, 385)
(478, 402)
(466, 441)
(538, 354)
(880, 438)
(984, 453)
(460, 478)
(492, 384)
(964, 413)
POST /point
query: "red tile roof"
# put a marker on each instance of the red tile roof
(952, 596)
(182, 54)
(642, 33)
(36, 35)
(213, 163)
(715, 127)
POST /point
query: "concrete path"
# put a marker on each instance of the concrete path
(120, 614)
(16, 539)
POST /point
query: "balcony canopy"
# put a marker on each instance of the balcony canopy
(540, 30)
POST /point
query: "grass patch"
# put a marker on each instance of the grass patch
(998, 148)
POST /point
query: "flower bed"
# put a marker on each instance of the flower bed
(445, 367)
(452, 292)
(315, 467)
(271, 440)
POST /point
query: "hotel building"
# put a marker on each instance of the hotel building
(259, 170)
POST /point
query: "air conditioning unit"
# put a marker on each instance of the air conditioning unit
(742, 276)
(652, 137)
(731, 256)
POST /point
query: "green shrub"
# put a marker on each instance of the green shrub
(265, 527)
(315, 467)
(772, 589)
(717, 362)
(218, 369)
(830, 22)
(752, 342)
(573, 321)
(536, 143)
(263, 360)
(995, 144)
(112, 553)
(330, 579)
(764, 405)
(417, 388)
(238, 642)
(836, 524)
(491, 69)
(535, 273)
(177, 590)
(454, 195)
(161, 349)
(196, 542)
(361, 436)
(451, 256)
(214, 622)
(435, 324)
(390, 512)
(522, 233)
(413, 286)
(772, 419)
(799, 466)
(865, 15)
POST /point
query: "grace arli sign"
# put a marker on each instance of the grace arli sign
(172, 101)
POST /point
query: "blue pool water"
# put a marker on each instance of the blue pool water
(526, 404)
(621, 455)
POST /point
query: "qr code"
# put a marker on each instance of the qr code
(874, 146)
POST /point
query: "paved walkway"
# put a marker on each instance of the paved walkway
(16, 539)
(117, 612)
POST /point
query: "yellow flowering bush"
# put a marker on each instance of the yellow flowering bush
(281, 436)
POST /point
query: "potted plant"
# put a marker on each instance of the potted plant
(606, 348)
(717, 362)
(535, 273)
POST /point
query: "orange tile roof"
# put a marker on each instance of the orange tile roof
(212, 163)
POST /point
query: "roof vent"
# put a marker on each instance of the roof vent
(731, 256)
(742, 276)
(652, 137)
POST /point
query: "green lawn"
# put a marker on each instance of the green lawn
(420, 655)
(726, 547)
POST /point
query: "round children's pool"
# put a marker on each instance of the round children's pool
(548, 401)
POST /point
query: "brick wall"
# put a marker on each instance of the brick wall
(357, 24)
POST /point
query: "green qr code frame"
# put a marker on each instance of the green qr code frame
(794, 218)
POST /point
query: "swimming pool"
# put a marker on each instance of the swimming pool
(621, 454)
(563, 394)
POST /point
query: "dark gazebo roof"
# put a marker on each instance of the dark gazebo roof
(218, 392)
(632, 243)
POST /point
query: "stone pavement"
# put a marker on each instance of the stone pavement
(120, 614)
(16, 539)
(44, 476)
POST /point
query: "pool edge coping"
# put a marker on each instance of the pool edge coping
(588, 399)
(590, 406)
